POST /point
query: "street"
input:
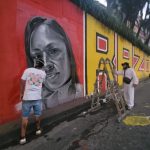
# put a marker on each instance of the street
(100, 130)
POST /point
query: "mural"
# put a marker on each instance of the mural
(99, 43)
(64, 66)
(126, 54)
(46, 39)
(58, 39)
(139, 62)
(103, 42)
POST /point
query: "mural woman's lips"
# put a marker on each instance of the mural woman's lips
(52, 75)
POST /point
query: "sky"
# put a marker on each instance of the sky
(103, 2)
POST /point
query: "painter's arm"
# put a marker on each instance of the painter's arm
(117, 72)
(22, 87)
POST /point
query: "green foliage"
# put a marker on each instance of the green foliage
(100, 13)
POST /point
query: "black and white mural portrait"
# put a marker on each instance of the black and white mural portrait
(45, 38)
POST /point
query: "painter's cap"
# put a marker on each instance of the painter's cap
(125, 63)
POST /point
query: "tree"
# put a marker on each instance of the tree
(131, 9)
(130, 12)
(114, 8)
(127, 9)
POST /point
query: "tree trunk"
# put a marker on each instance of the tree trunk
(132, 25)
(137, 35)
(147, 40)
(126, 19)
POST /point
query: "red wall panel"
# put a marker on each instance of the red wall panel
(14, 16)
(9, 60)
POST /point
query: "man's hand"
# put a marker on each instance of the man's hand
(134, 85)
(22, 87)
(114, 67)
(21, 97)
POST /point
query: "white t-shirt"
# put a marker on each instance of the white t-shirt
(130, 73)
(33, 86)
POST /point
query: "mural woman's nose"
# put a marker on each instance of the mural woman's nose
(49, 67)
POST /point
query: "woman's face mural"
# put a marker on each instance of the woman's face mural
(45, 41)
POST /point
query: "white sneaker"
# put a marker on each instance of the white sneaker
(23, 141)
(38, 132)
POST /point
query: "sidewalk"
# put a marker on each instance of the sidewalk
(99, 131)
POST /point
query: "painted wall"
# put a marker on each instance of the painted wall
(15, 15)
(103, 42)
(99, 42)
(9, 61)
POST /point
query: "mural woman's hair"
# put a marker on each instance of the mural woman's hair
(34, 23)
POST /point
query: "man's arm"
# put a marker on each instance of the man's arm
(135, 79)
(22, 87)
(117, 72)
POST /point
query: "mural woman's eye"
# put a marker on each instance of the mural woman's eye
(53, 51)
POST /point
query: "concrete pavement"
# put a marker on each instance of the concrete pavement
(99, 131)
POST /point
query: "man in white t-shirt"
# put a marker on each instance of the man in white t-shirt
(31, 88)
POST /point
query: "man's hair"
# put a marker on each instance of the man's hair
(37, 21)
(127, 64)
